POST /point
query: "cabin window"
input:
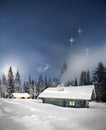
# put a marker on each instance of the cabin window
(22, 97)
(72, 103)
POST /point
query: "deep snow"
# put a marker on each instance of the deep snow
(77, 92)
(20, 114)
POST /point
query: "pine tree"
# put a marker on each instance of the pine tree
(10, 88)
(84, 78)
(4, 82)
(0, 82)
(81, 81)
(17, 82)
(75, 82)
(88, 81)
(26, 87)
(29, 79)
(1, 92)
(99, 78)
(99, 74)
(41, 85)
(46, 83)
(32, 90)
(50, 83)
(63, 70)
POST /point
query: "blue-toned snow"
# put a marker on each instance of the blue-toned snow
(20, 114)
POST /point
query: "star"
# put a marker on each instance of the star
(79, 30)
(71, 40)
(87, 50)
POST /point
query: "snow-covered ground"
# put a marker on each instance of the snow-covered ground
(34, 115)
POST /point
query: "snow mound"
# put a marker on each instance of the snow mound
(32, 114)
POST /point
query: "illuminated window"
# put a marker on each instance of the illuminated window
(72, 103)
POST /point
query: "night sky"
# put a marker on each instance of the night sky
(38, 36)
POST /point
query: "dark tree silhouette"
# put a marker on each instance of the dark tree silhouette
(99, 78)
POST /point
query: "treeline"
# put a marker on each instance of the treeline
(41, 84)
(10, 85)
(98, 78)
(13, 84)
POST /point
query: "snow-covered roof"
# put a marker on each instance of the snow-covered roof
(20, 94)
(76, 92)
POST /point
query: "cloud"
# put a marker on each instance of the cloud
(45, 68)
(80, 62)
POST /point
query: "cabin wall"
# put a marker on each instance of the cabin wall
(67, 102)
(20, 97)
(53, 101)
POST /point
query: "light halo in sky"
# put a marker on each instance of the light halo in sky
(6, 69)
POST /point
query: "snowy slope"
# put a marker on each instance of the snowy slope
(33, 114)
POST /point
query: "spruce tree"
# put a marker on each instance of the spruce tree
(99, 78)
(50, 83)
(0, 82)
(10, 88)
(84, 78)
(88, 80)
(41, 86)
(1, 94)
(75, 82)
(4, 82)
(46, 83)
(63, 70)
(26, 87)
(81, 80)
(17, 82)
(29, 79)
(100, 74)
(32, 89)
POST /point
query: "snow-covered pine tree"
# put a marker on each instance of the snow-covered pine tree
(46, 83)
(4, 82)
(26, 87)
(32, 90)
(41, 85)
(50, 83)
(3, 85)
(10, 82)
(18, 83)
(0, 91)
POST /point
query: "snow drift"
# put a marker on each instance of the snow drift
(20, 114)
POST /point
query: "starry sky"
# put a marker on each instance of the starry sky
(38, 36)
